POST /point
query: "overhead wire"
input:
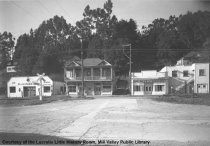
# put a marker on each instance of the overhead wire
(44, 7)
(61, 7)
(23, 9)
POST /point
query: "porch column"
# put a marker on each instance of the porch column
(67, 90)
(100, 72)
(111, 73)
(73, 73)
(92, 73)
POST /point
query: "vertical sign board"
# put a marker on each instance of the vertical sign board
(40, 79)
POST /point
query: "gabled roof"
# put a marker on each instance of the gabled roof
(29, 79)
(90, 62)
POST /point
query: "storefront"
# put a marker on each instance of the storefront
(150, 86)
(90, 88)
(29, 87)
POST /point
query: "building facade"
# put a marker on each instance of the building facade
(28, 87)
(149, 83)
(188, 77)
(201, 78)
(98, 76)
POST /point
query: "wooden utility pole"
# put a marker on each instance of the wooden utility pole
(82, 68)
(40, 78)
(130, 86)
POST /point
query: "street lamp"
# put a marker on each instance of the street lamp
(129, 65)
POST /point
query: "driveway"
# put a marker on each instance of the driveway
(112, 118)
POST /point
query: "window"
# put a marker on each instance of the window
(185, 73)
(174, 73)
(106, 72)
(136, 88)
(69, 73)
(12, 89)
(106, 87)
(78, 72)
(72, 88)
(46, 89)
(96, 72)
(159, 88)
(87, 72)
(202, 72)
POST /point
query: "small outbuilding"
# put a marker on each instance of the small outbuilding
(29, 86)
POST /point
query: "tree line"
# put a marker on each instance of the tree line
(100, 34)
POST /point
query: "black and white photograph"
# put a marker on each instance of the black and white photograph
(105, 72)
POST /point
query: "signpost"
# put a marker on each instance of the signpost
(40, 78)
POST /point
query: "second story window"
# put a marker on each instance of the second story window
(87, 72)
(96, 72)
(78, 72)
(185, 73)
(202, 72)
(174, 73)
(106, 72)
(69, 73)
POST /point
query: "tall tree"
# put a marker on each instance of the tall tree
(6, 48)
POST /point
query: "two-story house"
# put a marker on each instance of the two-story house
(189, 75)
(97, 73)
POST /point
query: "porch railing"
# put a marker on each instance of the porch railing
(91, 78)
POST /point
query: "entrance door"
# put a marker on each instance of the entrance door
(148, 89)
(97, 89)
(202, 88)
(29, 91)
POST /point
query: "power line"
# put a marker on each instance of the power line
(26, 11)
(60, 6)
(44, 7)
(133, 50)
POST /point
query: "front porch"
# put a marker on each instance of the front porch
(90, 88)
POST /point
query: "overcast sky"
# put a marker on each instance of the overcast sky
(18, 16)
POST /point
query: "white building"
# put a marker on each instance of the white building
(188, 78)
(185, 77)
(149, 82)
(28, 86)
(201, 78)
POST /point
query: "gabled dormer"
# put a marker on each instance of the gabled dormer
(72, 64)
(104, 63)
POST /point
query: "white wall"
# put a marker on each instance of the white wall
(30, 81)
(149, 74)
(180, 70)
(201, 79)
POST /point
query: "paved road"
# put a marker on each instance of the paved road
(111, 118)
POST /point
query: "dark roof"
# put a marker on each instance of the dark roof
(90, 62)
